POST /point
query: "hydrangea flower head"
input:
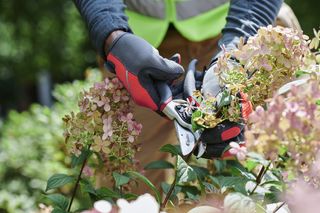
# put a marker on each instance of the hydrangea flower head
(106, 124)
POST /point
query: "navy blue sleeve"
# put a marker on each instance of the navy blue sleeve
(244, 19)
(102, 18)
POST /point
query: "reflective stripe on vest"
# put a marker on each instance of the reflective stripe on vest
(190, 8)
(185, 9)
(152, 8)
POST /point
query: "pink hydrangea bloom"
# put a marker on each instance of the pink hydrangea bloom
(291, 124)
(237, 150)
(107, 128)
(106, 123)
(88, 171)
(303, 198)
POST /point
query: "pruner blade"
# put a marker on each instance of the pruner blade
(201, 149)
(185, 138)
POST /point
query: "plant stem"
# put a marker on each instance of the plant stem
(279, 207)
(168, 195)
(121, 191)
(262, 172)
(78, 181)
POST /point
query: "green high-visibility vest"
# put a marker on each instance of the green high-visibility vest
(196, 20)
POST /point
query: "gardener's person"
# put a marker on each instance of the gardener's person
(125, 32)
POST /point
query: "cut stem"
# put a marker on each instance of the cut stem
(168, 195)
(78, 181)
(262, 172)
(278, 207)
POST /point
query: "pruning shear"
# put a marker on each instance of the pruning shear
(179, 111)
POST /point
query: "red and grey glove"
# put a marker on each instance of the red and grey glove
(217, 139)
(138, 66)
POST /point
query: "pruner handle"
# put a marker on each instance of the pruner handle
(168, 106)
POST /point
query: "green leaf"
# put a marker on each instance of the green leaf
(237, 169)
(105, 193)
(220, 165)
(86, 186)
(202, 186)
(79, 160)
(142, 178)
(58, 180)
(272, 183)
(209, 187)
(130, 196)
(250, 165)
(237, 183)
(58, 200)
(250, 185)
(185, 173)
(260, 207)
(318, 102)
(270, 176)
(282, 150)
(255, 157)
(120, 179)
(237, 202)
(225, 100)
(170, 149)
(215, 182)
(191, 192)
(58, 210)
(159, 164)
(245, 174)
(195, 115)
(200, 171)
(274, 196)
(166, 187)
(300, 73)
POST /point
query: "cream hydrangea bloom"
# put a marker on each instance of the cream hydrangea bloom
(144, 203)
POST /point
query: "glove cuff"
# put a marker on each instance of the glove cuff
(112, 40)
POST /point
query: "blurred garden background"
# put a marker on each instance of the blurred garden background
(44, 46)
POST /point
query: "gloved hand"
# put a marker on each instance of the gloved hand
(218, 138)
(138, 65)
(243, 20)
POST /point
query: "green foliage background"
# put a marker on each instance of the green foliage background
(39, 36)
(307, 13)
(32, 148)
